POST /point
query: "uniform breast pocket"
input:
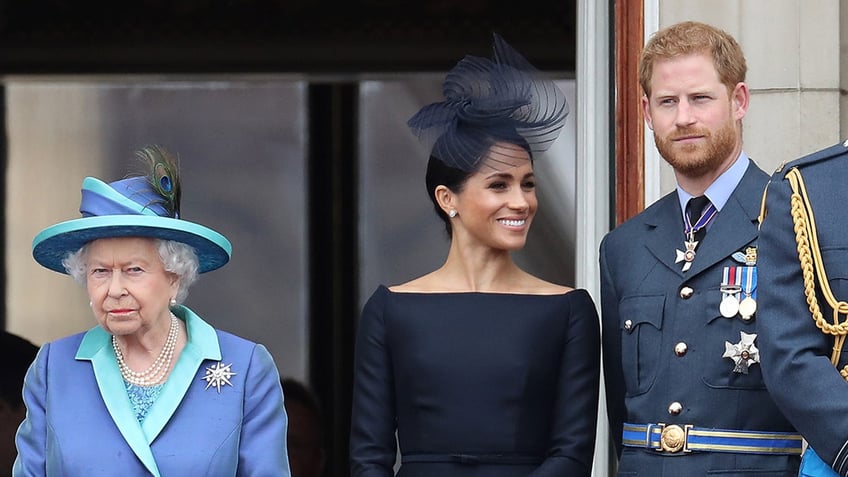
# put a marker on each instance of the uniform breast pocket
(641, 337)
(721, 370)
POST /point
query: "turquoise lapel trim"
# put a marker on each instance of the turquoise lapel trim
(96, 347)
(202, 345)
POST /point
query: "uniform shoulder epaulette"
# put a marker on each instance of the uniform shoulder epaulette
(831, 152)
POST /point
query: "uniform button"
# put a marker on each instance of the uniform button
(680, 349)
(628, 325)
(675, 408)
(686, 292)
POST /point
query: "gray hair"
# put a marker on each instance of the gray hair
(177, 258)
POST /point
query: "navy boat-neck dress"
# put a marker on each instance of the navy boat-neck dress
(475, 384)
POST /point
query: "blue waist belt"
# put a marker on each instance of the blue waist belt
(474, 459)
(688, 438)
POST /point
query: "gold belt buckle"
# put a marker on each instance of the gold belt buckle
(673, 437)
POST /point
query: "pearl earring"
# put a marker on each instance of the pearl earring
(173, 301)
(452, 213)
(90, 304)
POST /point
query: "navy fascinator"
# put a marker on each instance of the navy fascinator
(486, 101)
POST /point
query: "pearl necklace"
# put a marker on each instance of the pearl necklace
(157, 371)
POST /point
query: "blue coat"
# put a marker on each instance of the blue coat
(80, 421)
(664, 337)
(795, 352)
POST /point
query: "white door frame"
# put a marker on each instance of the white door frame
(594, 209)
(593, 167)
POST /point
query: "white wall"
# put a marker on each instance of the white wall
(792, 48)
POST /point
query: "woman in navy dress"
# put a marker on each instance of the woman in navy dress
(480, 368)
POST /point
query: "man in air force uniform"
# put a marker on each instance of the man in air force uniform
(804, 296)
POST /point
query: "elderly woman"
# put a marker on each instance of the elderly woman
(153, 389)
(478, 367)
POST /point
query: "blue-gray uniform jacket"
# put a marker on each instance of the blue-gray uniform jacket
(670, 357)
(795, 352)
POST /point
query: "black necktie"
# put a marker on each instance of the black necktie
(694, 209)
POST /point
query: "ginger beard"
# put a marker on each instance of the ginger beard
(698, 159)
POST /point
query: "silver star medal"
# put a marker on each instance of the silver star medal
(688, 256)
(218, 376)
(744, 353)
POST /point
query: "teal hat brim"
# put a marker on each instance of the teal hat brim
(53, 244)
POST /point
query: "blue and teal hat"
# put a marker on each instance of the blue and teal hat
(133, 207)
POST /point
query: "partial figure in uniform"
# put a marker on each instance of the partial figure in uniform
(685, 393)
(479, 368)
(804, 302)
